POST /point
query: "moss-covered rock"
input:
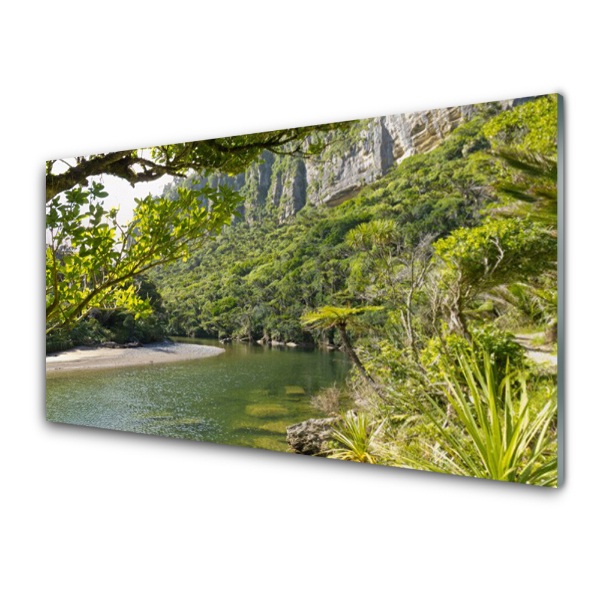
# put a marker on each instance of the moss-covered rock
(263, 411)
(274, 427)
(294, 390)
(257, 395)
(270, 443)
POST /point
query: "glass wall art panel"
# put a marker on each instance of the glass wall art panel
(385, 290)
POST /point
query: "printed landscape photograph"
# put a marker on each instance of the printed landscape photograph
(385, 290)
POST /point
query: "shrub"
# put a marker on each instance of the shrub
(354, 437)
(501, 346)
(327, 401)
(490, 432)
(87, 332)
(444, 354)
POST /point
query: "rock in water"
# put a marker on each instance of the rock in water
(310, 437)
(294, 390)
(265, 411)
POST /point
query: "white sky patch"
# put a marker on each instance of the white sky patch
(120, 192)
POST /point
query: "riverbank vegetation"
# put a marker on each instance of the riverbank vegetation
(424, 279)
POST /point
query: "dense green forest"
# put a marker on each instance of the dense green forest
(457, 250)
(439, 281)
(256, 280)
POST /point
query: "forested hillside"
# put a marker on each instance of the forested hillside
(256, 280)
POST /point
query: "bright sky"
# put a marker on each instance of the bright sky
(120, 192)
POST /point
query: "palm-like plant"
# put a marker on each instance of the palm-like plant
(355, 436)
(340, 318)
(537, 302)
(491, 434)
(377, 234)
(531, 182)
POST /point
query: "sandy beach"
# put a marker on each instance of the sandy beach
(107, 358)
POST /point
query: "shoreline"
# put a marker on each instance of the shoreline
(97, 357)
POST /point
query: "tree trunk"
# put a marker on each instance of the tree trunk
(354, 358)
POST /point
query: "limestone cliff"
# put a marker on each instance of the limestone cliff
(286, 184)
(384, 143)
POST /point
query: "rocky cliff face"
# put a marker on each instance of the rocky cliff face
(384, 143)
(285, 184)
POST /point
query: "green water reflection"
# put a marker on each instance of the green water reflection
(246, 396)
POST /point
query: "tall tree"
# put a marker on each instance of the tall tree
(91, 260)
(499, 252)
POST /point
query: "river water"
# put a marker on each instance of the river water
(246, 396)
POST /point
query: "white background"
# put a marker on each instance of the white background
(98, 514)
